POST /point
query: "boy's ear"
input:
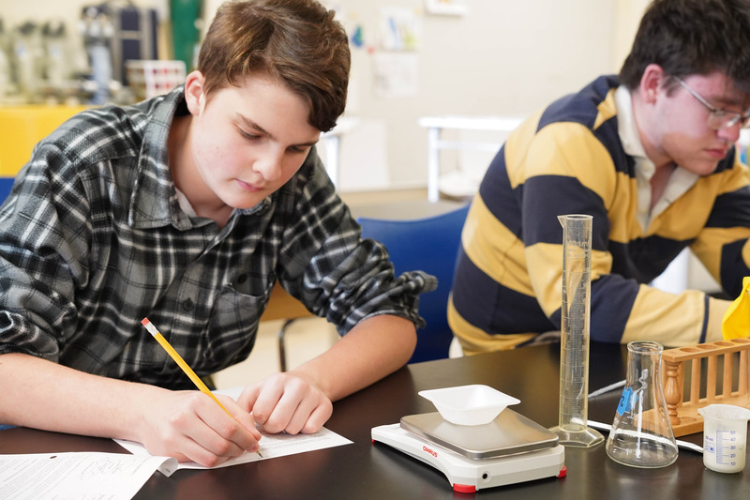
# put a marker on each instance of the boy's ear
(651, 82)
(194, 95)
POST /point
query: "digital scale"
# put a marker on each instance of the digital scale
(510, 449)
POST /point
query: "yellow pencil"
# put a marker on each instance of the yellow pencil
(181, 362)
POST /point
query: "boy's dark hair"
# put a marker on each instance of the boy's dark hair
(296, 41)
(687, 37)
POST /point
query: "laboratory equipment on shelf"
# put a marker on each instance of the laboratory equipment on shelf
(97, 29)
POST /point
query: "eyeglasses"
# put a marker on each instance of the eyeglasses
(717, 118)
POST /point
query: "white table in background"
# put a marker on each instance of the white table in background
(436, 124)
(332, 141)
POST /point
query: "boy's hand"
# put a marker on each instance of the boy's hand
(190, 426)
(287, 402)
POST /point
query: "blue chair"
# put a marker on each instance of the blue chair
(6, 184)
(431, 245)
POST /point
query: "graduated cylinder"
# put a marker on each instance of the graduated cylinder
(574, 339)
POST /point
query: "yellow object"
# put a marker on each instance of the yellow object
(181, 362)
(21, 127)
(736, 322)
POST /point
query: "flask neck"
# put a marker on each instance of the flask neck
(644, 362)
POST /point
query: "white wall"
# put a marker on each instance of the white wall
(505, 57)
(628, 14)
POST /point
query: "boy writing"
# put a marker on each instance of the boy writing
(187, 208)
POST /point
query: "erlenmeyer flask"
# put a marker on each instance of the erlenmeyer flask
(641, 434)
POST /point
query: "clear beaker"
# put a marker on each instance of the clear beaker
(641, 434)
(724, 437)
(573, 429)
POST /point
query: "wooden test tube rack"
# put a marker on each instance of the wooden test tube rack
(684, 415)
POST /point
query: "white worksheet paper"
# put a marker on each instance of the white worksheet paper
(271, 445)
(79, 476)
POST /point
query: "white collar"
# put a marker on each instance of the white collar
(628, 132)
(185, 203)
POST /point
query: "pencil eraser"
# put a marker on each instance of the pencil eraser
(145, 321)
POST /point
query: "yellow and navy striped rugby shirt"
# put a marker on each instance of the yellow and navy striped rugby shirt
(568, 159)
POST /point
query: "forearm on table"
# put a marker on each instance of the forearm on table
(373, 349)
(675, 320)
(44, 395)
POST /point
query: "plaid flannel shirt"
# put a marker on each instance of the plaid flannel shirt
(93, 239)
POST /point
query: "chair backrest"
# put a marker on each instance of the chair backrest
(430, 245)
